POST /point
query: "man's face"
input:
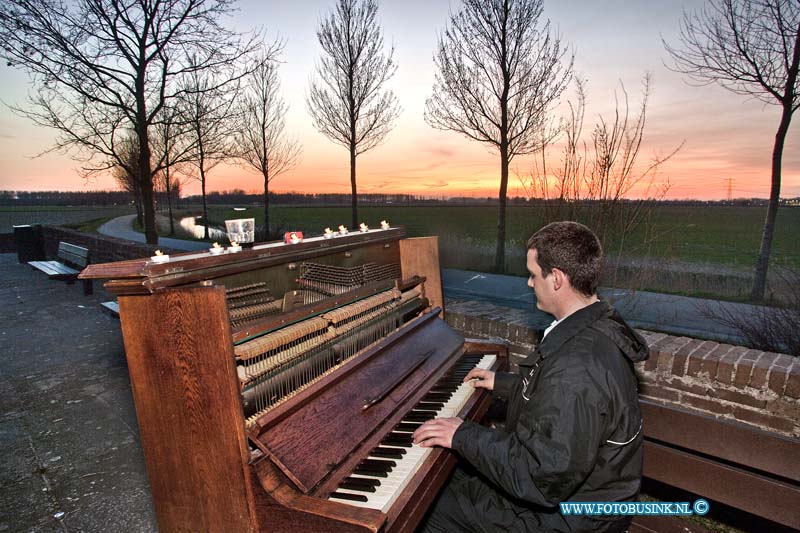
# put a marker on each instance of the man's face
(542, 287)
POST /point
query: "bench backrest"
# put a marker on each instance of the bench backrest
(751, 469)
(76, 255)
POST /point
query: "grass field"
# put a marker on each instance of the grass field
(712, 235)
(72, 216)
(720, 235)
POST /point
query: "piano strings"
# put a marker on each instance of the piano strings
(279, 364)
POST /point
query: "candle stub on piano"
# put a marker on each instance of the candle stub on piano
(234, 247)
(384, 224)
(216, 249)
(363, 227)
(328, 233)
(160, 257)
(342, 230)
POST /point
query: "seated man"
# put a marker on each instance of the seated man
(573, 428)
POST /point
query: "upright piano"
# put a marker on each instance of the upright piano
(276, 388)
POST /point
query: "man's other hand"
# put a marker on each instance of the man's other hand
(437, 432)
(484, 379)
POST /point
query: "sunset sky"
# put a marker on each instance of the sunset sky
(724, 135)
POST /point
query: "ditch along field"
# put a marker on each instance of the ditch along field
(709, 235)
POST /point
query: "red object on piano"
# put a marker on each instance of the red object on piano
(293, 237)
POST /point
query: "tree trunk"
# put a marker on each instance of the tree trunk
(146, 184)
(266, 205)
(205, 204)
(353, 190)
(169, 199)
(137, 200)
(762, 264)
(500, 251)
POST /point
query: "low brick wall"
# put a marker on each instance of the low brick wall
(731, 382)
(102, 249)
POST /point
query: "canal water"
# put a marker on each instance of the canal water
(198, 230)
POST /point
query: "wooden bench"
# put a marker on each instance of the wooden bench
(112, 308)
(70, 256)
(723, 461)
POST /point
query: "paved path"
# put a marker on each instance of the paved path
(122, 227)
(69, 441)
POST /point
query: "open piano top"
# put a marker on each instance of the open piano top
(276, 388)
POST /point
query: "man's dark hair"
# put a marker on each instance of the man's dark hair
(572, 248)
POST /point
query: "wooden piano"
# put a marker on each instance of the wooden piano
(276, 388)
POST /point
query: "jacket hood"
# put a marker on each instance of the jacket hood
(601, 317)
(630, 342)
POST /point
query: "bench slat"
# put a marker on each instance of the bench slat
(728, 440)
(732, 486)
(73, 259)
(112, 308)
(664, 524)
(53, 268)
(67, 248)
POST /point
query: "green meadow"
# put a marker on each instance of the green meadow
(723, 235)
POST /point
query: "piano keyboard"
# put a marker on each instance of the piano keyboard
(383, 475)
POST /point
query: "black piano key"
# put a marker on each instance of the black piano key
(407, 426)
(389, 453)
(357, 486)
(348, 496)
(419, 417)
(367, 482)
(374, 472)
(386, 464)
(431, 406)
(436, 397)
(398, 439)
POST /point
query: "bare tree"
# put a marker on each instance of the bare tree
(593, 177)
(261, 141)
(752, 48)
(499, 73)
(348, 102)
(172, 149)
(102, 68)
(207, 110)
(126, 174)
(774, 328)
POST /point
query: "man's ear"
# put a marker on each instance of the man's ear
(559, 278)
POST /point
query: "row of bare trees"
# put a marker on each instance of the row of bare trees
(145, 87)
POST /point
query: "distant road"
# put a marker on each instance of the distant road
(122, 228)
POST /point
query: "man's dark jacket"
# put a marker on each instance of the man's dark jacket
(572, 430)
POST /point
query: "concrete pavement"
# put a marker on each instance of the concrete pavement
(69, 441)
(122, 228)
